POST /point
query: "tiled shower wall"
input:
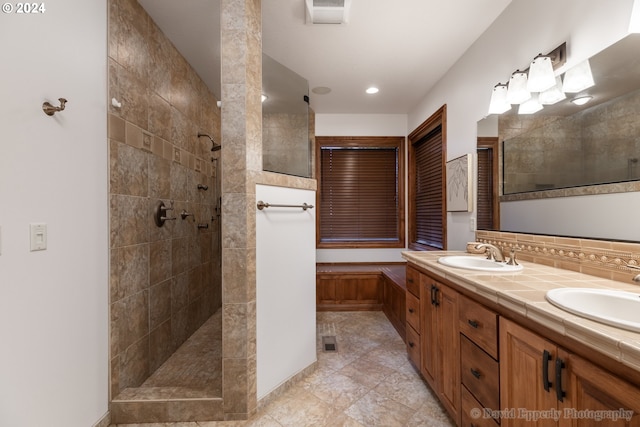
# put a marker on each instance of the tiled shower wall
(165, 282)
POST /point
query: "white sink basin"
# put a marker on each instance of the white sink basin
(615, 308)
(478, 263)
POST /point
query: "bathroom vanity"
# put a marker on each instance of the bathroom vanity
(496, 353)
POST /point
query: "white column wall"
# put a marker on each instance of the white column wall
(53, 170)
(286, 286)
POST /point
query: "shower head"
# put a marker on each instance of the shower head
(214, 147)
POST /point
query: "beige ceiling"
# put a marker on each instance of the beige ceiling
(404, 46)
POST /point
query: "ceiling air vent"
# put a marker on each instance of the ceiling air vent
(327, 11)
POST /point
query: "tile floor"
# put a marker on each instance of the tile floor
(367, 382)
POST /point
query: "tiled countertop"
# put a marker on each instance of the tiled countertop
(524, 293)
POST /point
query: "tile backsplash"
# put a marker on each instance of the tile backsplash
(606, 259)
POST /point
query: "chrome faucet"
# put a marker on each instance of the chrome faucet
(493, 252)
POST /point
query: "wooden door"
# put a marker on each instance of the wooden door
(428, 332)
(449, 350)
(521, 375)
(593, 393)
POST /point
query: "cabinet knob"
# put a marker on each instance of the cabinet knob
(411, 310)
(411, 344)
(410, 280)
(474, 323)
(475, 373)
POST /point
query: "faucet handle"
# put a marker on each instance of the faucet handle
(512, 255)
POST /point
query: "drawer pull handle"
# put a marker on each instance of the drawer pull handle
(474, 323)
(475, 373)
(546, 357)
(559, 392)
(411, 310)
(411, 344)
(434, 295)
(410, 280)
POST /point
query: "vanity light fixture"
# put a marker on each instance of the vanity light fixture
(578, 78)
(499, 104)
(517, 92)
(539, 81)
(372, 90)
(552, 95)
(530, 106)
(541, 75)
(581, 100)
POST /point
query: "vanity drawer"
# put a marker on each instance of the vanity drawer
(413, 311)
(479, 324)
(471, 406)
(413, 346)
(480, 373)
(413, 281)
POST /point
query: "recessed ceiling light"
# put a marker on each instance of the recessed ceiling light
(372, 90)
(321, 90)
(581, 100)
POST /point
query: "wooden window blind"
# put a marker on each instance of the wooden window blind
(485, 189)
(359, 187)
(429, 190)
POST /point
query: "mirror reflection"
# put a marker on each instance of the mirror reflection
(595, 146)
(567, 150)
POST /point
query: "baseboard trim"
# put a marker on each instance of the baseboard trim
(286, 385)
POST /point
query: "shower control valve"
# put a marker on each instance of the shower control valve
(160, 213)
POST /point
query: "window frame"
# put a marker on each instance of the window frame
(437, 119)
(397, 142)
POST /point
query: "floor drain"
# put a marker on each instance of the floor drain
(329, 343)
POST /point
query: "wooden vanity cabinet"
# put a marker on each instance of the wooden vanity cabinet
(412, 316)
(479, 366)
(440, 342)
(537, 374)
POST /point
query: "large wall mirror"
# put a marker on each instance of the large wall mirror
(567, 150)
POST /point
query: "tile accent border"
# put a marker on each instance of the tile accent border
(606, 259)
(619, 187)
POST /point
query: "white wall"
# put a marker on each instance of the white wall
(286, 286)
(361, 125)
(53, 303)
(523, 30)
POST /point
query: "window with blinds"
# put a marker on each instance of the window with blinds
(359, 202)
(485, 189)
(488, 213)
(429, 194)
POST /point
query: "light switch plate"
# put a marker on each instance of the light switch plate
(38, 234)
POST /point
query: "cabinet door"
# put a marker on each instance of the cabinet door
(326, 291)
(594, 391)
(428, 332)
(522, 368)
(364, 289)
(449, 347)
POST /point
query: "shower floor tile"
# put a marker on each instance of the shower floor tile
(368, 382)
(193, 371)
